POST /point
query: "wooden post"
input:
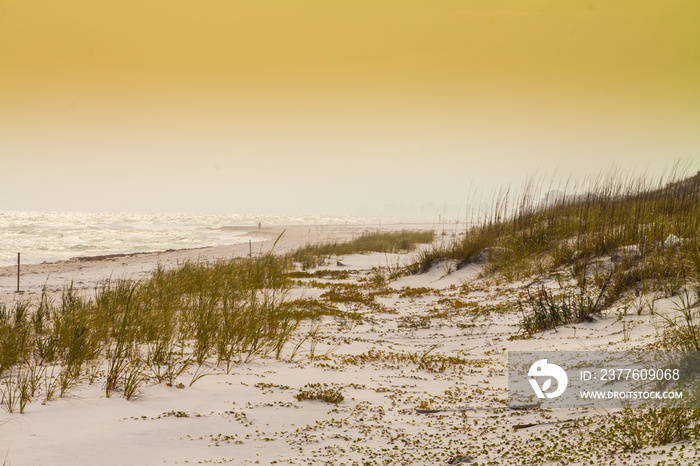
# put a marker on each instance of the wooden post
(250, 248)
(18, 262)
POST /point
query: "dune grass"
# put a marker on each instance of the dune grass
(622, 238)
(633, 429)
(649, 230)
(389, 242)
(543, 310)
(155, 329)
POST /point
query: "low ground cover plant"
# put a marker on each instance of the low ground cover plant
(323, 392)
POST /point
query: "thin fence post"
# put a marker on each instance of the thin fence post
(250, 248)
(18, 265)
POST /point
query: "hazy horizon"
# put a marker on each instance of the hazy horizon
(323, 107)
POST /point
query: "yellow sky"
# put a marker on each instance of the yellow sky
(229, 83)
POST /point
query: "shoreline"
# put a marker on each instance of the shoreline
(445, 407)
(422, 360)
(84, 272)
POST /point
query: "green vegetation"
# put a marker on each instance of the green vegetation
(547, 311)
(392, 242)
(130, 333)
(333, 274)
(323, 392)
(632, 429)
(622, 240)
(425, 361)
(649, 230)
(609, 245)
(155, 329)
(683, 331)
(629, 237)
(411, 293)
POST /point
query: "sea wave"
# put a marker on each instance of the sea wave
(53, 236)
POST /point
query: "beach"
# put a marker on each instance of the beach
(420, 374)
(361, 233)
(86, 271)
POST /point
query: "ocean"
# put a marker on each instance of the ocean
(54, 236)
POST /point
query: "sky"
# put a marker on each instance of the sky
(335, 106)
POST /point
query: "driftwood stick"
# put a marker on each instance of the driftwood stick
(525, 426)
(460, 410)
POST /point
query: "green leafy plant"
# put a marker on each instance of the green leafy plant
(323, 392)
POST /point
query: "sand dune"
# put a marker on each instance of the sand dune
(405, 401)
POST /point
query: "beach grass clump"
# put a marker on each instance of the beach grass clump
(388, 242)
(414, 322)
(543, 310)
(15, 334)
(346, 296)
(323, 392)
(132, 332)
(635, 428)
(682, 331)
(649, 229)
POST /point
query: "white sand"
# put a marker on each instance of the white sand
(86, 272)
(226, 418)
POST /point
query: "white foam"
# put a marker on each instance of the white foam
(53, 236)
